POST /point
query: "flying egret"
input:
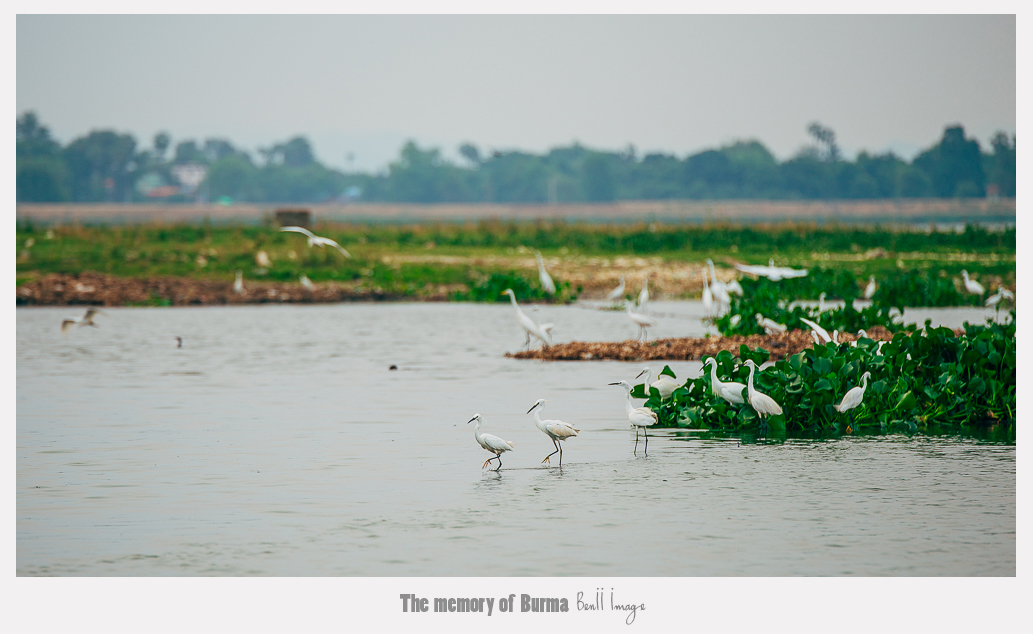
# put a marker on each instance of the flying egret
(643, 296)
(618, 292)
(238, 282)
(557, 430)
(85, 320)
(544, 330)
(664, 384)
(854, 397)
(1002, 294)
(307, 283)
(769, 325)
(869, 290)
(638, 416)
(824, 334)
(317, 241)
(972, 286)
(494, 444)
(642, 321)
(763, 404)
(730, 391)
(530, 328)
(707, 297)
(543, 275)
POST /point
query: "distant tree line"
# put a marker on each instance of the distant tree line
(107, 166)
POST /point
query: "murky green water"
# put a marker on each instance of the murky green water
(277, 442)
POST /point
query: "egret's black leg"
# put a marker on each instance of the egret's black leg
(499, 457)
(556, 445)
(645, 432)
(560, 446)
(635, 452)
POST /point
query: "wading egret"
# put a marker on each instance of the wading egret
(557, 430)
(643, 296)
(719, 289)
(664, 384)
(317, 241)
(494, 444)
(769, 325)
(530, 328)
(707, 297)
(853, 398)
(307, 283)
(1002, 294)
(730, 391)
(972, 286)
(869, 290)
(824, 334)
(642, 321)
(238, 282)
(763, 404)
(543, 275)
(85, 320)
(638, 416)
(618, 292)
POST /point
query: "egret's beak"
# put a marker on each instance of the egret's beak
(532, 407)
(471, 420)
(614, 384)
(639, 374)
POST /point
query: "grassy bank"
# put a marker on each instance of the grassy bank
(420, 260)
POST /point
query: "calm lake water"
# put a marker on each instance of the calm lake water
(277, 442)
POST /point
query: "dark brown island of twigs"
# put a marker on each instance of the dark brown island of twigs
(685, 349)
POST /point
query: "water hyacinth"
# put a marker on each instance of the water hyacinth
(930, 376)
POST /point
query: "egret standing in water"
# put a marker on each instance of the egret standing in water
(719, 289)
(638, 416)
(853, 398)
(730, 391)
(530, 328)
(544, 330)
(642, 321)
(1002, 294)
(543, 275)
(664, 384)
(618, 292)
(972, 286)
(494, 444)
(707, 298)
(317, 241)
(643, 296)
(763, 404)
(557, 430)
(85, 320)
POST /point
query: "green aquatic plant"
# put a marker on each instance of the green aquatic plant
(490, 288)
(930, 376)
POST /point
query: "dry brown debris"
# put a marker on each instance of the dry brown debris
(684, 349)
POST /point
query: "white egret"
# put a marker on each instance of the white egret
(543, 275)
(1002, 294)
(664, 384)
(821, 303)
(544, 330)
(824, 334)
(869, 290)
(85, 320)
(307, 283)
(618, 292)
(769, 325)
(814, 336)
(972, 286)
(557, 430)
(643, 296)
(494, 444)
(860, 333)
(638, 416)
(718, 288)
(642, 321)
(735, 287)
(262, 259)
(853, 398)
(835, 337)
(530, 328)
(317, 241)
(708, 297)
(763, 404)
(238, 282)
(730, 391)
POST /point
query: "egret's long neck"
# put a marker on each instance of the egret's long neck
(628, 405)
(864, 383)
(477, 431)
(714, 381)
(538, 418)
(512, 299)
(750, 383)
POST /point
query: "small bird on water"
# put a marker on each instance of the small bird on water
(557, 430)
(179, 342)
(491, 443)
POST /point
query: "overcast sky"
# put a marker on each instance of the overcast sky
(365, 84)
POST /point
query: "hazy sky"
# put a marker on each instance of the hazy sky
(365, 84)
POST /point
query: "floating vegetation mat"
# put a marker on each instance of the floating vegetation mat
(685, 349)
